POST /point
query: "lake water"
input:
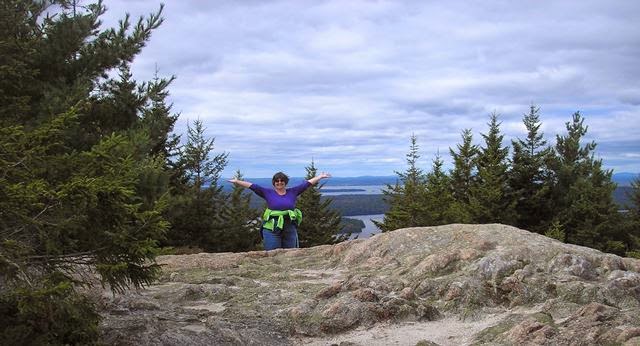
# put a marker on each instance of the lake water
(358, 190)
(369, 227)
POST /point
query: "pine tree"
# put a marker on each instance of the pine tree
(634, 198)
(490, 200)
(441, 207)
(120, 95)
(582, 191)
(406, 199)
(157, 119)
(241, 222)
(320, 223)
(196, 210)
(19, 81)
(528, 174)
(631, 225)
(72, 172)
(463, 174)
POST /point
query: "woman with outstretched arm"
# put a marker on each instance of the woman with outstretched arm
(281, 218)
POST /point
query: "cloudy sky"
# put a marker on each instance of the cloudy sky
(346, 83)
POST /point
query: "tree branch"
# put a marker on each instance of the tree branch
(25, 277)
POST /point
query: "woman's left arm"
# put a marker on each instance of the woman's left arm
(317, 178)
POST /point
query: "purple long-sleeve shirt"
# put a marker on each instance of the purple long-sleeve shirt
(278, 202)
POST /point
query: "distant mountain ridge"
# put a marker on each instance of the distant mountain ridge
(620, 196)
(334, 181)
(622, 179)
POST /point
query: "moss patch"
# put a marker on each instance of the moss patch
(490, 334)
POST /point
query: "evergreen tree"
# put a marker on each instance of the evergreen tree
(121, 96)
(490, 199)
(634, 198)
(528, 174)
(142, 113)
(320, 223)
(73, 172)
(463, 174)
(157, 119)
(196, 212)
(199, 167)
(631, 225)
(406, 199)
(582, 192)
(441, 207)
(241, 222)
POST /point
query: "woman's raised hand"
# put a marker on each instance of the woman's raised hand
(317, 178)
(324, 175)
(240, 182)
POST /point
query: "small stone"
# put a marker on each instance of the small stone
(407, 293)
(365, 295)
(330, 291)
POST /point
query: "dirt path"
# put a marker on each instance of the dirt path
(447, 331)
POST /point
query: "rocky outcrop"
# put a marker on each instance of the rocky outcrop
(454, 284)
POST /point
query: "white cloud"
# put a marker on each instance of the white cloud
(347, 82)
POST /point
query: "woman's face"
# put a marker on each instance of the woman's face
(279, 183)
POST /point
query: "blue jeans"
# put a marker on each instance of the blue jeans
(286, 238)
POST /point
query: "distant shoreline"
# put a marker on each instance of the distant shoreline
(341, 190)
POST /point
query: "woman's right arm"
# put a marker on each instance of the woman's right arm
(257, 189)
(240, 182)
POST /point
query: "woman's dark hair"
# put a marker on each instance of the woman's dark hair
(280, 175)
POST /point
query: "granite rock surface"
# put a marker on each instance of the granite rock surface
(446, 285)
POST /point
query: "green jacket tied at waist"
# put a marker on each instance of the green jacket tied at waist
(269, 217)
